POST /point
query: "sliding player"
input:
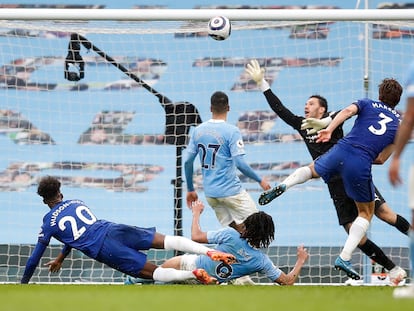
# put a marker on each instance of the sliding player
(316, 110)
(116, 245)
(249, 247)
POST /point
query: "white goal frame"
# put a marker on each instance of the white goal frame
(205, 14)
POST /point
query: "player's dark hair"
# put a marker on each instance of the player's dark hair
(48, 188)
(322, 101)
(259, 230)
(390, 92)
(219, 102)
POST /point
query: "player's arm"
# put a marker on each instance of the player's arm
(292, 276)
(246, 170)
(325, 134)
(405, 129)
(56, 264)
(401, 139)
(197, 234)
(384, 154)
(257, 74)
(189, 171)
(33, 261)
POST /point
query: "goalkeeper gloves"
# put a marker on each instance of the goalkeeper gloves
(257, 74)
(315, 125)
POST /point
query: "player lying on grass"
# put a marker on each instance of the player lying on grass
(369, 141)
(316, 115)
(257, 234)
(116, 245)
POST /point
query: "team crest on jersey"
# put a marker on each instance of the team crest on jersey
(224, 270)
(240, 144)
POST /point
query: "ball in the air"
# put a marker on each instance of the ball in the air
(219, 28)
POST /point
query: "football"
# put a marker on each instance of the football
(219, 28)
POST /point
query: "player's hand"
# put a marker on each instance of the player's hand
(255, 72)
(54, 265)
(197, 207)
(264, 184)
(394, 172)
(315, 125)
(192, 196)
(302, 253)
(324, 136)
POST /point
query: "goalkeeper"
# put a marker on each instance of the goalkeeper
(116, 245)
(316, 118)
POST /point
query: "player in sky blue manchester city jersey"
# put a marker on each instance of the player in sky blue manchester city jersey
(370, 141)
(220, 148)
(119, 246)
(249, 247)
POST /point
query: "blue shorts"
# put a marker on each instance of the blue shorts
(354, 165)
(122, 248)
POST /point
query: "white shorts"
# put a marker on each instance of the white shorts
(235, 208)
(411, 188)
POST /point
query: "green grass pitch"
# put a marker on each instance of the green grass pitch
(15, 297)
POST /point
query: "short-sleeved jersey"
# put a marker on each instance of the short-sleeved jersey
(352, 157)
(250, 260)
(216, 143)
(72, 223)
(374, 128)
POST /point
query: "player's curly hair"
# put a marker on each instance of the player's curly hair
(390, 92)
(259, 230)
(48, 188)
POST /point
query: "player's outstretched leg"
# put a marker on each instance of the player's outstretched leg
(346, 266)
(203, 277)
(269, 195)
(220, 256)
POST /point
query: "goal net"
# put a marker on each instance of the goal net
(118, 144)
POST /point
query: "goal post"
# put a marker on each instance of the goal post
(114, 129)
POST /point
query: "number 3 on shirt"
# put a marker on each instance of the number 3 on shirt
(383, 125)
(84, 214)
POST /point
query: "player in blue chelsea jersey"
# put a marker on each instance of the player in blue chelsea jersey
(221, 151)
(258, 232)
(370, 141)
(116, 245)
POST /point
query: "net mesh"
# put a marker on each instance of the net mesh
(105, 135)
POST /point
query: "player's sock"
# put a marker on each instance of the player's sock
(357, 231)
(170, 275)
(299, 176)
(373, 251)
(185, 245)
(402, 224)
